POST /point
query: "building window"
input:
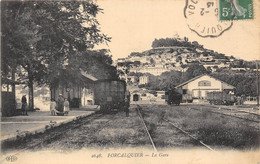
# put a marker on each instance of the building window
(184, 91)
(204, 83)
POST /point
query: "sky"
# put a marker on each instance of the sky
(134, 24)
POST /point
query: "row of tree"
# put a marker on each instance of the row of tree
(49, 42)
(169, 80)
(244, 82)
(176, 41)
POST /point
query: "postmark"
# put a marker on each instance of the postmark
(236, 9)
(202, 17)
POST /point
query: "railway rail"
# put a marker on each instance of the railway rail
(146, 129)
(255, 114)
(183, 131)
(172, 124)
(229, 115)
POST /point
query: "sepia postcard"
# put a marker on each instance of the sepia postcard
(130, 81)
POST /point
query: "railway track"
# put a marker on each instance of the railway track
(229, 115)
(173, 125)
(146, 129)
(255, 114)
(56, 136)
(183, 131)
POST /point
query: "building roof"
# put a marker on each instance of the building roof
(200, 77)
(92, 78)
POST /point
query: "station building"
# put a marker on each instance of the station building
(79, 95)
(199, 86)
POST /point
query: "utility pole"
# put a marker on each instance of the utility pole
(257, 85)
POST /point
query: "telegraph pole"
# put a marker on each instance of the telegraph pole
(257, 85)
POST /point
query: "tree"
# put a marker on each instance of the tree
(137, 63)
(136, 74)
(169, 80)
(100, 64)
(20, 37)
(244, 83)
(136, 54)
(42, 36)
(179, 59)
(153, 83)
(97, 63)
(193, 71)
(166, 81)
(152, 62)
(209, 70)
(186, 39)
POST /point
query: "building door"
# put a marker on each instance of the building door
(199, 94)
(206, 93)
(196, 93)
(135, 97)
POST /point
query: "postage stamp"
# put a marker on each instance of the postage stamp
(202, 18)
(236, 9)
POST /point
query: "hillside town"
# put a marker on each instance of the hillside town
(162, 59)
(178, 58)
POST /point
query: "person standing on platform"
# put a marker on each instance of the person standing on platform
(24, 105)
(60, 103)
(52, 107)
(66, 106)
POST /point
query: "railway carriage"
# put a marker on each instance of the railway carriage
(111, 95)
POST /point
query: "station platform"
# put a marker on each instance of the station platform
(37, 121)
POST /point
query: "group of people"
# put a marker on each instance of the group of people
(60, 107)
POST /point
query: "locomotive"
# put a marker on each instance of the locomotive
(173, 97)
(111, 95)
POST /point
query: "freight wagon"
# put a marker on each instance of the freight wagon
(221, 98)
(111, 95)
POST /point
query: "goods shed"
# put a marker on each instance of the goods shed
(199, 86)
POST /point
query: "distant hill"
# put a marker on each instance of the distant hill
(178, 54)
(172, 61)
(170, 45)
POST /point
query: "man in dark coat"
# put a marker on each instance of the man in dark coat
(60, 103)
(24, 105)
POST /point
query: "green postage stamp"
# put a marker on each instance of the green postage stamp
(236, 9)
